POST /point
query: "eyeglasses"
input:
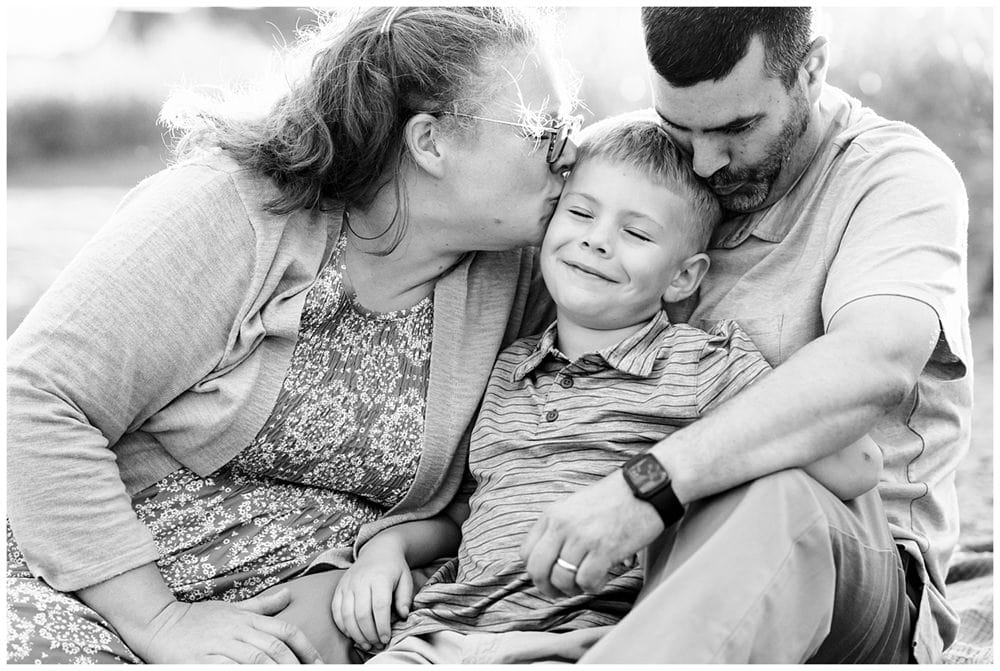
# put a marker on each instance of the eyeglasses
(558, 134)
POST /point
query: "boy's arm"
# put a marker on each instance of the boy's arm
(380, 579)
(418, 542)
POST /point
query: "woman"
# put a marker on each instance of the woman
(235, 380)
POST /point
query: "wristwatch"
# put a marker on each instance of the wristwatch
(649, 482)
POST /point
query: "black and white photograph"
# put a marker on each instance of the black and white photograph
(499, 334)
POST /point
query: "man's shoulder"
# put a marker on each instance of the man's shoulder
(209, 186)
(863, 135)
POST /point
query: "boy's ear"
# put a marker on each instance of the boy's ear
(687, 279)
(422, 137)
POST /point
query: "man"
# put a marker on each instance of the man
(843, 256)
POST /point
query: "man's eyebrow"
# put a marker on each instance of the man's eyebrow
(735, 123)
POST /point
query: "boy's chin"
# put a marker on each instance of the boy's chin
(594, 321)
(600, 319)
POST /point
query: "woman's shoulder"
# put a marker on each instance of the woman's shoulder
(210, 175)
(207, 189)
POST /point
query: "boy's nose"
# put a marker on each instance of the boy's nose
(596, 240)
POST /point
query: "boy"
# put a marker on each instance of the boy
(563, 409)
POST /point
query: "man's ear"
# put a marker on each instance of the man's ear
(422, 136)
(687, 279)
(814, 67)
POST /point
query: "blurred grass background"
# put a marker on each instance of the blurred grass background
(85, 85)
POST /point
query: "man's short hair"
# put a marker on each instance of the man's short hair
(688, 45)
(638, 139)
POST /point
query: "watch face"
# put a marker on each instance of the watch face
(647, 474)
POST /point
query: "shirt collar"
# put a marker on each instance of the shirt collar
(546, 344)
(635, 355)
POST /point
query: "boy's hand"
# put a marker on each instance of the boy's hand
(364, 598)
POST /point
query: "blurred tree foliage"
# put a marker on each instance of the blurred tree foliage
(929, 66)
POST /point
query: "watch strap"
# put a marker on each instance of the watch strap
(661, 497)
(667, 504)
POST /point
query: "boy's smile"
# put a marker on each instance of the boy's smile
(587, 271)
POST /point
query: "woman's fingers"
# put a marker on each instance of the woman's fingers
(263, 648)
(243, 652)
(267, 603)
(289, 638)
(219, 659)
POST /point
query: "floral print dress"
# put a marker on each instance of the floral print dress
(340, 447)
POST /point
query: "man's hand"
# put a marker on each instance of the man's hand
(217, 632)
(363, 601)
(594, 529)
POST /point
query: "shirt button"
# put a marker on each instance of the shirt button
(566, 382)
(551, 415)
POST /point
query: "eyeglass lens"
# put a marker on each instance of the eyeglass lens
(557, 142)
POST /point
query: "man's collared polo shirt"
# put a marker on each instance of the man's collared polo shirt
(879, 212)
(549, 427)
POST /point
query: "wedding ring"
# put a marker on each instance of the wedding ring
(566, 565)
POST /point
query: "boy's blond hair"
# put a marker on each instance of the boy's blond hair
(638, 140)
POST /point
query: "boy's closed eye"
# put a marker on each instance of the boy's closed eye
(638, 234)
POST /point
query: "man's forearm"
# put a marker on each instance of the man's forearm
(826, 396)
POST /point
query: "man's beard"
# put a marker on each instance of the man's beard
(758, 179)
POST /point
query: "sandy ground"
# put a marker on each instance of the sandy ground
(41, 239)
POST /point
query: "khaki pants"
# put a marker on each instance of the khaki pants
(776, 571)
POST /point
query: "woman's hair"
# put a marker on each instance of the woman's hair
(637, 139)
(336, 135)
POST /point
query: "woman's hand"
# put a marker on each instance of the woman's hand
(219, 632)
(364, 598)
(595, 529)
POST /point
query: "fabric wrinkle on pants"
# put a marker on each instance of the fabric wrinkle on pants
(514, 647)
(763, 573)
